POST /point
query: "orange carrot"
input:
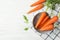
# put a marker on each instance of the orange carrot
(40, 6)
(47, 28)
(38, 2)
(51, 21)
(45, 19)
(42, 16)
(42, 24)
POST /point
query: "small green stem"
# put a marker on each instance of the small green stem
(51, 13)
(47, 9)
(59, 14)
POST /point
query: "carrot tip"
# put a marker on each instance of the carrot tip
(28, 12)
(41, 30)
(35, 26)
(31, 6)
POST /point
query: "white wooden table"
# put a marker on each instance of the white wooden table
(11, 21)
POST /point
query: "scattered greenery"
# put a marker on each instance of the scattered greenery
(51, 3)
(25, 19)
(26, 29)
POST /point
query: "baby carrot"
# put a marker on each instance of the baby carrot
(51, 21)
(42, 16)
(38, 2)
(47, 28)
(36, 8)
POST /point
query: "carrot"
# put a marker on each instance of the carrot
(38, 2)
(40, 6)
(47, 28)
(45, 19)
(51, 21)
(42, 16)
(42, 24)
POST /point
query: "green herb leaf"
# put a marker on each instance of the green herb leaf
(51, 3)
(26, 28)
(25, 19)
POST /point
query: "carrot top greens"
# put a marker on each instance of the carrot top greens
(51, 3)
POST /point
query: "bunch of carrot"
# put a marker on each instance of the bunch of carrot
(45, 23)
(39, 5)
